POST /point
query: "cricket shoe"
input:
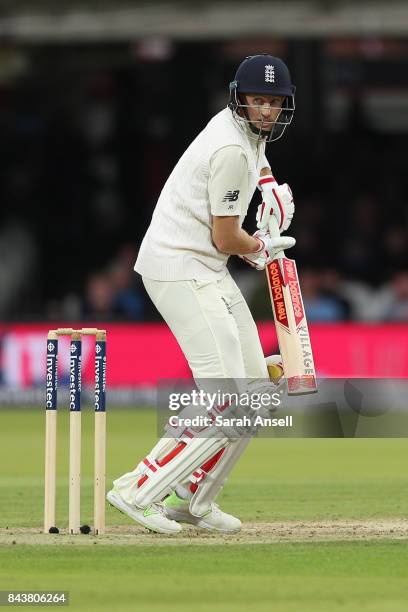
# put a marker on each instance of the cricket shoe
(153, 518)
(214, 519)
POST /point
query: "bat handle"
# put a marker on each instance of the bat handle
(275, 233)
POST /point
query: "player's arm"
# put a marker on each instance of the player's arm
(227, 234)
(230, 238)
(228, 195)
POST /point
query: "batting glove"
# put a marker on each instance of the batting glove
(277, 200)
(268, 249)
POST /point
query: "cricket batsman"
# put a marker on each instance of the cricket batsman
(196, 226)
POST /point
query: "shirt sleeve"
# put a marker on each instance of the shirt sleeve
(228, 182)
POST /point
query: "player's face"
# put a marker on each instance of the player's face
(263, 110)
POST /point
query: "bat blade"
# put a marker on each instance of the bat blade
(291, 326)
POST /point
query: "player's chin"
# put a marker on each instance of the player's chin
(265, 127)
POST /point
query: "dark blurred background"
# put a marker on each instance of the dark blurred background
(98, 101)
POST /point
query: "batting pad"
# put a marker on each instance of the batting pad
(163, 478)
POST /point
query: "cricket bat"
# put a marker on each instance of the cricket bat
(290, 321)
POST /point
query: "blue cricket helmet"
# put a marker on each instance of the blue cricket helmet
(267, 75)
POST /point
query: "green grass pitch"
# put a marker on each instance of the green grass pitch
(277, 480)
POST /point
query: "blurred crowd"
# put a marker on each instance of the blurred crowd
(328, 297)
(84, 153)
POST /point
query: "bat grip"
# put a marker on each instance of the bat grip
(275, 233)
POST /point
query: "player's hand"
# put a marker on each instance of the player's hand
(268, 249)
(277, 200)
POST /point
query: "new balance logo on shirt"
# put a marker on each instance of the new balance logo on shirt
(231, 196)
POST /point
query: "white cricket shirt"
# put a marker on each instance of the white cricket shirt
(217, 175)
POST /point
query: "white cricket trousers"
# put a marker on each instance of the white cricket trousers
(218, 336)
(213, 326)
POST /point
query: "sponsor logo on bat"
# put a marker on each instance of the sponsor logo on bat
(291, 279)
(276, 284)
